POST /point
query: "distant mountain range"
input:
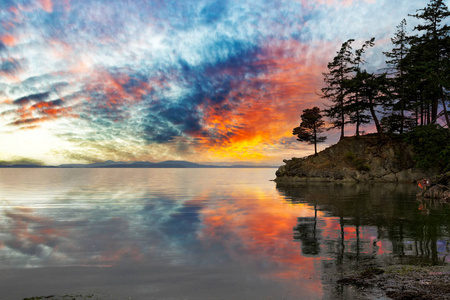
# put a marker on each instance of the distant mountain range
(136, 164)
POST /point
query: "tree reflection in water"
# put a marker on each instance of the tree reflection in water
(358, 226)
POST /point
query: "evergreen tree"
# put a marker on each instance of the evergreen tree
(311, 125)
(446, 80)
(374, 92)
(396, 61)
(434, 46)
(337, 89)
(417, 85)
(355, 106)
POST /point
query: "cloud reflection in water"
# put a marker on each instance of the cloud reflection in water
(197, 232)
(222, 225)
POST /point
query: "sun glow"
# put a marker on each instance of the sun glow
(37, 143)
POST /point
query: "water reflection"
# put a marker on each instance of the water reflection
(160, 233)
(367, 221)
(363, 226)
(204, 234)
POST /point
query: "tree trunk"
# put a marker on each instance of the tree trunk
(374, 116)
(436, 47)
(315, 140)
(445, 113)
(417, 116)
(434, 109)
(421, 112)
(402, 99)
(342, 116)
(402, 114)
(357, 114)
(341, 94)
(441, 90)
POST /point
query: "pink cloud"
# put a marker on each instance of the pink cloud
(47, 5)
(342, 2)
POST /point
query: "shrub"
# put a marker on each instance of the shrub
(358, 163)
(363, 167)
(431, 146)
(444, 158)
(349, 156)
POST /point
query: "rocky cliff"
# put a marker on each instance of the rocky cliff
(364, 158)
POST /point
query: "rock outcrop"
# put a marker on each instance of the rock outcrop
(439, 190)
(364, 158)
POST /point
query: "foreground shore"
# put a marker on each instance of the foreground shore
(402, 281)
(394, 282)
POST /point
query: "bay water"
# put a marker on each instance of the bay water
(203, 234)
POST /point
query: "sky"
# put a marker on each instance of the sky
(219, 81)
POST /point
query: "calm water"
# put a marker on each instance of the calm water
(202, 233)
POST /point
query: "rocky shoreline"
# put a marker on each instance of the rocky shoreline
(357, 159)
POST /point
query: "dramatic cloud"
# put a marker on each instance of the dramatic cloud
(153, 80)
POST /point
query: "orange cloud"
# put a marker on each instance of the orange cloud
(30, 116)
(31, 121)
(117, 89)
(7, 101)
(8, 40)
(260, 112)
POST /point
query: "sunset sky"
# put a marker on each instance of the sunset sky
(219, 81)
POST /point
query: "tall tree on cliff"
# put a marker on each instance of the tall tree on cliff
(356, 107)
(434, 46)
(396, 61)
(417, 85)
(311, 125)
(374, 92)
(337, 89)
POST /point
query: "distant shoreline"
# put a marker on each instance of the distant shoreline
(216, 167)
(136, 165)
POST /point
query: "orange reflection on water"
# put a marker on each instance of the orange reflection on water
(353, 238)
(264, 235)
(115, 255)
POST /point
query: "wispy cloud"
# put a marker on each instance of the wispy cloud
(212, 79)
